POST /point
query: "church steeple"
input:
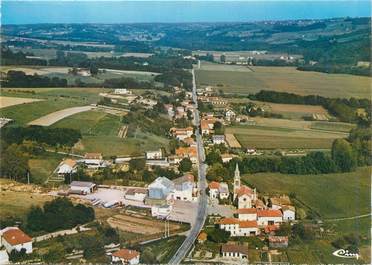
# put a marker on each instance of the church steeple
(236, 179)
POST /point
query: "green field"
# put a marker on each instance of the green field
(163, 250)
(100, 130)
(54, 99)
(42, 166)
(332, 126)
(276, 137)
(335, 195)
(283, 79)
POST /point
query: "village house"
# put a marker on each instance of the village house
(218, 139)
(180, 112)
(82, 187)
(170, 110)
(126, 256)
(187, 152)
(214, 189)
(136, 194)
(67, 166)
(277, 202)
(184, 188)
(269, 217)
(13, 238)
(223, 191)
(227, 157)
(289, 213)
(247, 214)
(154, 155)
(207, 126)
(278, 241)
(237, 227)
(182, 133)
(230, 115)
(235, 252)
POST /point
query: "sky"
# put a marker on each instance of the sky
(139, 11)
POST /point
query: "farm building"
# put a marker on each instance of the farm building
(269, 217)
(234, 251)
(67, 166)
(94, 160)
(136, 194)
(126, 256)
(82, 187)
(13, 238)
(161, 211)
(122, 91)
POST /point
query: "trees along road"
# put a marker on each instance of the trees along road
(202, 202)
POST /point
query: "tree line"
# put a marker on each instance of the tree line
(342, 108)
(21, 79)
(42, 135)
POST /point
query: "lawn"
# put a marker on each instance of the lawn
(331, 195)
(283, 79)
(270, 134)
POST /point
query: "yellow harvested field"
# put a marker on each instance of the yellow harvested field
(232, 141)
(11, 101)
(51, 118)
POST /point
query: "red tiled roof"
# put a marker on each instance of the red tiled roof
(15, 236)
(244, 190)
(247, 211)
(126, 254)
(269, 213)
(248, 224)
(202, 236)
(271, 228)
(190, 151)
(228, 221)
(214, 185)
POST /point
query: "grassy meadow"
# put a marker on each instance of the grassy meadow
(283, 79)
(335, 195)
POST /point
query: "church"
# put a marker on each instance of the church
(244, 196)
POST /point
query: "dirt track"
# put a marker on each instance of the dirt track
(53, 117)
(10, 101)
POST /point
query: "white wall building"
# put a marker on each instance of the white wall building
(269, 217)
(136, 194)
(184, 188)
(13, 238)
(239, 228)
(235, 252)
(289, 213)
(157, 154)
(247, 214)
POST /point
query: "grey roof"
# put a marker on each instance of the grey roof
(82, 184)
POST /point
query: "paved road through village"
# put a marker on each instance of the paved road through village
(202, 203)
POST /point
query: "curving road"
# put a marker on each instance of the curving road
(202, 203)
